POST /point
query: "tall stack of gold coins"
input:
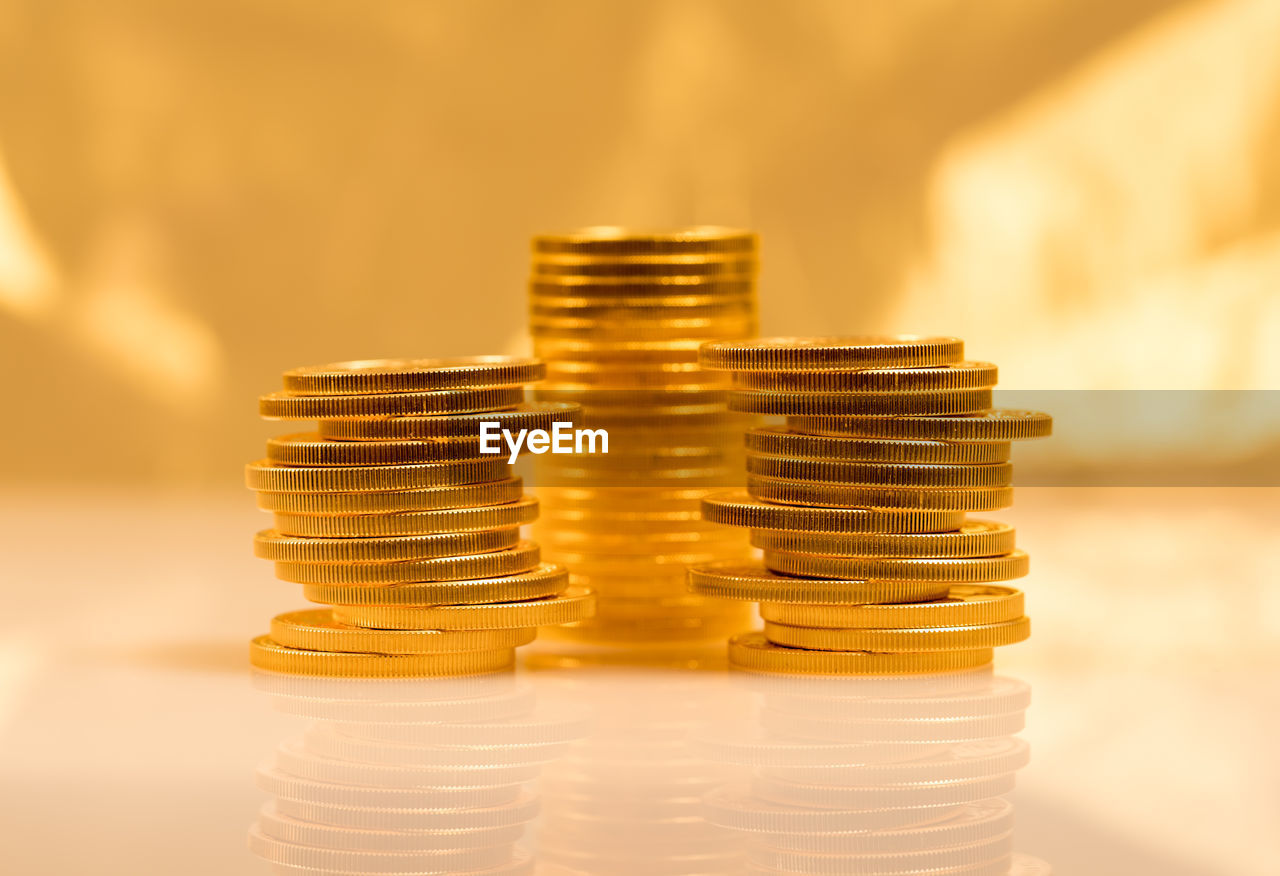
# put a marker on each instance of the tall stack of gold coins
(399, 776)
(859, 504)
(874, 775)
(392, 517)
(618, 316)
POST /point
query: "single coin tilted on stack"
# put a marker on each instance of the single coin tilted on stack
(618, 316)
(392, 518)
(859, 504)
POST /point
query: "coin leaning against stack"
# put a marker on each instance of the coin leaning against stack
(392, 518)
(618, 315)
(860, 503)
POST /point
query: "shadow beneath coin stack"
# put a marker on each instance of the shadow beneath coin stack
(407, 776)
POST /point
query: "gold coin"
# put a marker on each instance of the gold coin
(695, 305)
(599, 331)
(738, 508)
(574, 272)
(719, 283)
(616, 240)
(269, 655)
(445, 520)
(810, 354)
(753, 583)
(840, 495)
(964, 605)
(940, 378)
(433, 498)
(316, 629)
(524, 556)
(289, 406)
(596, 401)
(308, 448)
(547, 579)
(271, 545)
(881, 640)
(781, 442)
(533, 415)
(574, 604)
(959, 571)
(997, 424)
(658, 375)
(412, 375)
(974, 538)
(268, 478)
(653, 629)
(830, 471)
(841, 404)
(753, 651)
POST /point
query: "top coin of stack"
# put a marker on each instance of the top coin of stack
(390, 515)
(618, 314)
(859, 503)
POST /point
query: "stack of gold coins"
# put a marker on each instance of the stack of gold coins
(859, 504)
(392, 517)
(618, 315)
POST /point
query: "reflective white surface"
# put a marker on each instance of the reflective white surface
(130, 730)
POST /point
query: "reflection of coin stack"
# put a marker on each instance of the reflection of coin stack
(391, 515)
(628, 799)
(400, 777)
(875, 776)
(859, 504)
(618, 316)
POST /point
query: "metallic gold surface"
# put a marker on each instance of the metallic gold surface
(574, 604)
(941, 378)
(997, 424)
(885, 404)
(318, 630)
(998, 474)
(443, 520)
(838, 495)
(809, 354)
(739, 508)
(431, 499)
(545, 580)
(951, 638)
(269, 478)
(308, 448)
(783, 442)
(412, 375)
(272, 545)
(526, 555)
(755, 583)
(530, 415)
(271, 656)
(957, 571)
(753, 651)
(289, 406)
(964, 605)
(973, 538)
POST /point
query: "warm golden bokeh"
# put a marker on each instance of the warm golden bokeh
(194, 197)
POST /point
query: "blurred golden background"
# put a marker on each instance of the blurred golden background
(195, 196)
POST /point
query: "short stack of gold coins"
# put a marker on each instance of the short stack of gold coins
(392, 518)
(859, 503)
(618, 315)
